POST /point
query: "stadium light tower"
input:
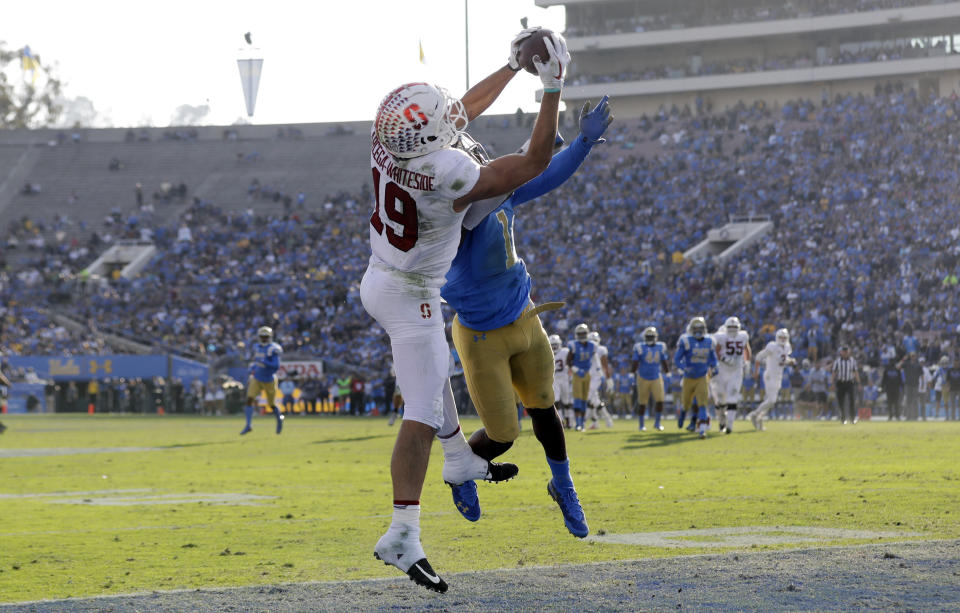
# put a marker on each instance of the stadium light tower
(250, 63)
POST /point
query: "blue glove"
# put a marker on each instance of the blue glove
(580, 372)
(594, 123)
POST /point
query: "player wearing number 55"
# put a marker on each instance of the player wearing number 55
(424, 182)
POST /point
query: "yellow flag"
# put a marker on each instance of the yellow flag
(422, 57)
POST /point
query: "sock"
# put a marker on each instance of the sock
(561, 472)
(731, 417)
(702, 415)
(454, 444)
(277, 412)
(248, 411)
(451, 421)
(406, 513)
(641, 417)
(680, 416)
(656, 422)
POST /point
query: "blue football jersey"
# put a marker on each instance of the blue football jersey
(582, 352)
(488, 284)
(266, 361)
(649, 358)
(695, 356)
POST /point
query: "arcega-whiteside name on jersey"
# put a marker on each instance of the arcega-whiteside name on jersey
(414, 226)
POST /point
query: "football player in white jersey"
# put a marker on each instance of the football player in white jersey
(775, 357)
(733, 351)
(423, 186)
(600, 375)
(562, 386)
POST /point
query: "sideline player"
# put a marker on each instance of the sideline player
(498, 335)
(624, 383)
(263, 377)
(696, 358)
(6, 387)
(774, 357)
(580, 358)
(423, 186)
(600, 373)
(562, 391)
(649, 357)
(733, 351)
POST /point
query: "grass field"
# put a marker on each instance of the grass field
(106, 505)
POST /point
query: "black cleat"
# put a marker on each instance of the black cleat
(421, 573)
(497, 472)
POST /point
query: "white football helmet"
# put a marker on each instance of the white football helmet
(698, 327)
(555, 342)
(417, 118)
(265, 333)
(580, 332)
(783, 336)
(594, 336)
(732, 325)
(650, 335)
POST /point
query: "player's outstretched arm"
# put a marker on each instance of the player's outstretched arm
(593, 123)
(507, 173)
(479, 97)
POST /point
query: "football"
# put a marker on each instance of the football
(533, 46)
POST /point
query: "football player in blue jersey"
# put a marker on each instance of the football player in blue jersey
(263, 377)
(624, 384)
(650, 362)
(580, 358)
(696, 358)
(497, 331)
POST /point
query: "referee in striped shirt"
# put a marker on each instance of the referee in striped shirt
(845, 377)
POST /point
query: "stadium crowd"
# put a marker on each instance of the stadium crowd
(861, 189)
(721, 13)
(868, 52)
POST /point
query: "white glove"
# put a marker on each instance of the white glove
(524, 34)
(554, 69)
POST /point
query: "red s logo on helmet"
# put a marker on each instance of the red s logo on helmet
(408, 113)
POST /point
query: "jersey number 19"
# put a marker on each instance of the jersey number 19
(405, 216)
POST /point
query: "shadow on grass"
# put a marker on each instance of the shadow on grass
(184, 445)
(354, 439)
(660, 439)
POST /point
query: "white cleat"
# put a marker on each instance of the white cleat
(469, 466)
(401, 547)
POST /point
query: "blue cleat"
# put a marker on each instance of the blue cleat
(246, 429)
(466, 500)
(692, 426)
(571, 509)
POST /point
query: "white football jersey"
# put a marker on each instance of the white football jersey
(731, 347)
(774, 357)
(560, 360)
(596, 366)
(414, 231)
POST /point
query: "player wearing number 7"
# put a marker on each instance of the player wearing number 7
(497, 331)
(424, 185)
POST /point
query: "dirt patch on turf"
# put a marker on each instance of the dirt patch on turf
(923, 576)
